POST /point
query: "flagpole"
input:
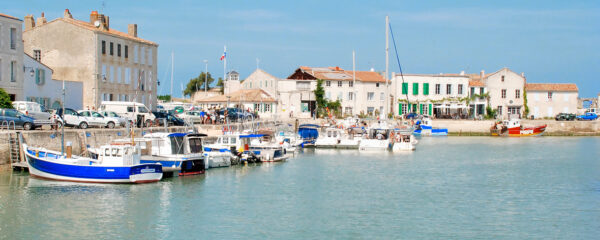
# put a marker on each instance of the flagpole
(225, 69)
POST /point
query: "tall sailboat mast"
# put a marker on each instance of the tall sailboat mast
(354, 82)
(387, 63)
(172, 67)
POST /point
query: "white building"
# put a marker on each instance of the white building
(112, 65)
(260, 79)
(440, 95)
(360, 92)
(39, 87)
(253, 100)
(505, 89)
(11, 56)
(550, 99)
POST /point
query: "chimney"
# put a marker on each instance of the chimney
(67, 14)
(522, 74)
(29, 22)
(337, 68)
(482, 74)
(41, 20)
(93, 17)
(132, 30)
(372, 69)
(106, 22)
(462, 73)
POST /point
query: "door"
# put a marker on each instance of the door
(98, 119)
(71, 117)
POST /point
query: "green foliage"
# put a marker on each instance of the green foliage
(335, 107)
(165, 98)
(526, 111)
(197, 84)
(490, 113)
(5, 99)
(320, 95)
(220, 84)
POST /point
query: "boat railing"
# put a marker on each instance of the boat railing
(8, 124)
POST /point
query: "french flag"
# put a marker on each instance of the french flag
(224, 53)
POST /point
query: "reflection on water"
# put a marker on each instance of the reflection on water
(478, 187)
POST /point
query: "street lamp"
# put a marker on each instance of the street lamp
(31, 72)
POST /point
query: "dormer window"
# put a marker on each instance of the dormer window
(502, 78)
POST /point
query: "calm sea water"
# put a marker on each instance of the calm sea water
(450, 188)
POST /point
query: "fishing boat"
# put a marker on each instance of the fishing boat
(309, 134)
(424, 127)
(289, 140)
(351, 138)
(377, 139)
(513, 128)
(248, 147)
(403, 140)
(178, 153)
(113, 164)
(330, 138)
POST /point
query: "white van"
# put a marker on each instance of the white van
(132, 110)
(32, 109)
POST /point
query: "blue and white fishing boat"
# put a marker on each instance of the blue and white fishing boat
(423, 127)
(309, 134)
(113, 164)
(179, 153)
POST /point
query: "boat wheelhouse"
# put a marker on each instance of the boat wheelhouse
(330, 138)
(377, 139)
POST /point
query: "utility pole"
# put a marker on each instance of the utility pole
(172, 67)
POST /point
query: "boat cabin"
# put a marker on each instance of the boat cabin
(119, 155)
(379, 134)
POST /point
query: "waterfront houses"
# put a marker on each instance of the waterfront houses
(38, 86)
(550, 99)
(112, 65)
(505, 89)
(252, 100)
(11, 56)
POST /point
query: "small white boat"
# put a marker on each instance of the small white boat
(330, 138)
(289, 140)
(351, 138)
(403, 140)
(377, 139)
(112, 164)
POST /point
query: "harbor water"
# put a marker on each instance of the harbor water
(449, 188)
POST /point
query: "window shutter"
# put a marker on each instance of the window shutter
(415, 89)
(404, 88)
(42, 76)
(420, 108)
(400, 109)
(37, 76)
(425, 88)
(430, 107)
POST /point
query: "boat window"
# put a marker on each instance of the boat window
(328, 133)
(115, 152)
(107, 152)
(195, 145)
(232, 140)
(334, 134)
(126, 151)
(176, 145)
(225, 140)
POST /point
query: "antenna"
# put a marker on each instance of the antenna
(257, 63)
(103, 6)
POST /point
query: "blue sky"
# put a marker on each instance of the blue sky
(551, 41)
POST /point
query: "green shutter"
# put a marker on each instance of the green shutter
(430, 109)
(426, 89)
(400, 109)
(420, 108)
(404, 88)
(409, 108)
(415, 88)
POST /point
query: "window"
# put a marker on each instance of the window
(118, 50)
(127, 75)
(481, 91)
(40, 76)
(425, 89)
(350, 84)
(460, 89)
(339, 96)
(129, 109)
(350, 96)
(502, 78)
(549, 96)
(370, 96)
(404, 88)
(150, 61)
(111, 49)
(376, 84)
(13, 38)
(13, 71)
(267, 107)
(112, 74)
(37, 55)
(517, 93)
(415, 89)
(135, 54)
(404, 107)
(339, 83)
(118, 73)
(142, 55)
(381, 96)
(438, 89)
(103, 47)
(448, 89)
(103, 73)
(499, 110)
(472, 91)
(126, 51)
(503, 93)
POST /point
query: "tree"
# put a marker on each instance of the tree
(5, 101)
(165, 98)
(526, 110)
(220, 84)
(197, 84)
(335, 107)
(320, 95)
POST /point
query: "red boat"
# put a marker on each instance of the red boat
(513, 128)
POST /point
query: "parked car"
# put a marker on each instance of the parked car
(7, 116)
(191, 116)
(136, 112)
(32, 109)
(411, 115)
(587, 116)
(122, 120)
(236, 114)
(172, 120)
(565, 117)
(71, 118)
(97, 119)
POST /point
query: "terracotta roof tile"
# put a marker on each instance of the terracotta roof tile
(339, 74)
(110, 31)
(244, 95)
(8, 16)
(555, 87)
(476, 83)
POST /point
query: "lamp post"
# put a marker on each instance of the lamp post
(205, 76)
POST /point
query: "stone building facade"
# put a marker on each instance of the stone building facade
(11, 56)
(550, 99)
(112, 65)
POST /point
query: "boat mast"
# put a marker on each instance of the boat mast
(387, 63)
(354, 81)
(62, 129)
(172, 67)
